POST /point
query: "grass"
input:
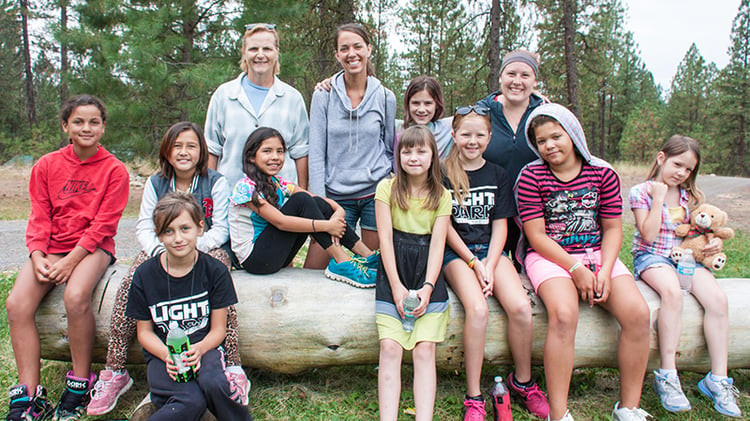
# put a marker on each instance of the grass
(350, 393)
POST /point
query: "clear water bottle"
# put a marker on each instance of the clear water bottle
(178, 344)
(500, 401)
(410, 303)
(685, 270)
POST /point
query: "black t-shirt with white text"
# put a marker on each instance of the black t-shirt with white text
(188, 300)
(490, 197)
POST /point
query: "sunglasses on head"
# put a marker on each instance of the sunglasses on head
(269, 26)
(466, 109)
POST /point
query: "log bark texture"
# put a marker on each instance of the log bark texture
(297, 319)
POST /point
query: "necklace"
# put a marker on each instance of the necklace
(169, 279)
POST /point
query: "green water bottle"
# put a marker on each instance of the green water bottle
(179, 344)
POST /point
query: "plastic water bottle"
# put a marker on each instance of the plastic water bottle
(179, 344)
(685, 270)
(500, 401)
(410, 303)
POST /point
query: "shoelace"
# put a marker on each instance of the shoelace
(673, 383)
(534, 391)
(472, 405)
(727, 391)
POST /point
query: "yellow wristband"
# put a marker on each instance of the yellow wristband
(471, 262)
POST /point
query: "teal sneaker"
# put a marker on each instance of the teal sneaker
(370, 261)
(723, 393)
(352, 272)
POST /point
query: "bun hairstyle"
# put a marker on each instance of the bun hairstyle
(419, 84)
(359, 30)
(81, 100)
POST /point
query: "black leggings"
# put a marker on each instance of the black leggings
(275, 249)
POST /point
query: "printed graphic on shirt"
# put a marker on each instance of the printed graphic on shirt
(571, 217)
(208, 207)
(477, 208)
(73, 188)
(191, 313)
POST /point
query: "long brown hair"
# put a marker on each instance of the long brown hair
(454, 171)
(417, 136)
(168, 141)
(677, 145)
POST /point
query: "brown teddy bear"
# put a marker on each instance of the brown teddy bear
(706, 222)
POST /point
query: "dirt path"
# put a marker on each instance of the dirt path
(730, 193)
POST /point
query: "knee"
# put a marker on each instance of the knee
(718, 305)
(17, 308)
(477, 313)
(390, 350)
(519, 310)
(563, 321)
(77, 301)
(637, 318)
(671, 297)
(424, 352)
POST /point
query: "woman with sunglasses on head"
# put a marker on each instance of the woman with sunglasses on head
(352, 132)
(257, 98)
(510, 107)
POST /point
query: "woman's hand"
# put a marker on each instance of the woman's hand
(337, 223)
(324, 85)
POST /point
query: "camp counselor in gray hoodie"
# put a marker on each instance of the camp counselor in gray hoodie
(351, 149)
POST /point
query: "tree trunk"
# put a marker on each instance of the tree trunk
(63, 62)
(297, 319)
(493, 78)
(30, 97)
(571, 70)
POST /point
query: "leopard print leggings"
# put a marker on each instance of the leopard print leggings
(122, 328)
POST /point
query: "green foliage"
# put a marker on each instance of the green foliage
(643, 134)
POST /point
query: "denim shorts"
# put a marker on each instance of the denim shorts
(362, 210)
(479, 250)
(643, 261)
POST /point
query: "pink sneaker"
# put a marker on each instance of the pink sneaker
(239, 384)
(531, 397)
(107, 390)
(474, 410)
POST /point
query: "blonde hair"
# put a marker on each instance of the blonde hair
(454, 171)
(417, 136)
(677, 145)
(254, 30)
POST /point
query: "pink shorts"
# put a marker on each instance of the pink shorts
(540, 269)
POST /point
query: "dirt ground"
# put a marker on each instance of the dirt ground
(729, 193)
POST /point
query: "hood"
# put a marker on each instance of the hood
(70, 156)
(572, 126)
(339, 88)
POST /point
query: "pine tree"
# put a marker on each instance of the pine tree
(687, 106)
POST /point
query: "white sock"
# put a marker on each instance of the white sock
(716, 379)
(668, 372)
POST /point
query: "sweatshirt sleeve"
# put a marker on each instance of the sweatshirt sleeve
(144, 228)
(219, 232)
(318, 140)
(39, 227)
(110, 209)
(298, 144)
(389, 135)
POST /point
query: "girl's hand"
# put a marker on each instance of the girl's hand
(485, 277)
(60, 271)
(712, 247)
(337, 224)
(399, 295)
(603, 287)
(171, 368)
(585, 280)
(41, 265)
(424, 295)
(658, 191)
(194, 357)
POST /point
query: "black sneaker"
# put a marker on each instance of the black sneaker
(19, 403)
(74, 398)
(41, 406)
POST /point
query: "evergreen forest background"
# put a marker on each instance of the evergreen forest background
(158, 62)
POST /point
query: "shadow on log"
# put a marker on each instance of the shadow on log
(297, 319)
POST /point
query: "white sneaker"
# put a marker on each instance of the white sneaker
(628, 414)
(723, 394)
(668, 387)
(566, 417)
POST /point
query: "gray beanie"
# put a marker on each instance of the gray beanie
(522, 56)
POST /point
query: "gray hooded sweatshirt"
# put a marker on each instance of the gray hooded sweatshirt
(351, 149)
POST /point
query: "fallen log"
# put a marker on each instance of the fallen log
(297, 319)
